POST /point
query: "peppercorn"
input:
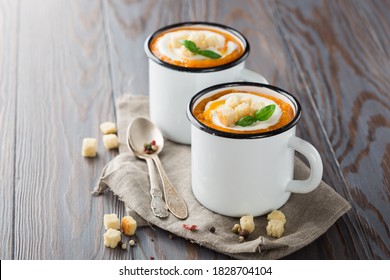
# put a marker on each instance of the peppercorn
(150, 148)
(212, 229)
(236, 228)
(241, 239)
(190, 228)
(244, 233)
(131, 242)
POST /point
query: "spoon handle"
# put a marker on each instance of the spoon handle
(173, 199)
(159, 208)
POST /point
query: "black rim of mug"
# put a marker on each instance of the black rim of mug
(195, 122)
(192, 69)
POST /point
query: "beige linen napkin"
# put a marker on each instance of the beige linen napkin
(308, 215)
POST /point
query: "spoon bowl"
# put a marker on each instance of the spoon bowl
(143, 131)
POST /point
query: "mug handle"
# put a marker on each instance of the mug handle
(251, 76)
(314, 158)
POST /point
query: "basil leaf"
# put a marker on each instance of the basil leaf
(209, 54)
(246, 121)
(265, 113)
(190, 45)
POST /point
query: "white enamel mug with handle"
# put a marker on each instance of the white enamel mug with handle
(248, 174)
(171, 87)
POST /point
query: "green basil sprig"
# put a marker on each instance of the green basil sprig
(260, 115)
(192, 47)
(246, 121)
(265, 113)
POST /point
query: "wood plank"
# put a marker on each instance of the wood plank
(269, 45)
(340, 49)
(64, 92)
(9, 11)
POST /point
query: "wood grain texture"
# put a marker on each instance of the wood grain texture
(64, 92)
(340, 52)
(332, 245)
(286, 75)
(9, 25)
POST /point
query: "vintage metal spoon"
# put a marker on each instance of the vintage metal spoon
(143, 131)
(159, 208)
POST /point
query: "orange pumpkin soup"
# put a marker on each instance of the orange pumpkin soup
(243, 112)
(196, 47)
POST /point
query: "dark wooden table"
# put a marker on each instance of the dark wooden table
(63, 63)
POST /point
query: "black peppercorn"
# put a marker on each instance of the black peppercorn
(244, 233)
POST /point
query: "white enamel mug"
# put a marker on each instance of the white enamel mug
(248, 174)
(171, 87)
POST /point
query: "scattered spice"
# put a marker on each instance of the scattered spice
(131, 242)
(244, 228)
(244, 233)
(190, 228)
(212, 229)
(236, 228)
(124, 246)
(150, 148)
(171, 236)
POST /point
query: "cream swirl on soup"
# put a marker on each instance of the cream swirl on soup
(170, 44)
(169, 47)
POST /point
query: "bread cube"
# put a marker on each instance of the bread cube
(212, 41)
(276, 220)
(110, 141)
(112, 238)
(89, 147)
(247, 223)
(276, 215)
(247, 100)
(232, 101)
(176, 40)
(129, 225)
(255, 106)
(226, 115)
(275, 228)
(111, 221)
(185, 52)
(108, 127)
(199, 39)
(242, 110)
